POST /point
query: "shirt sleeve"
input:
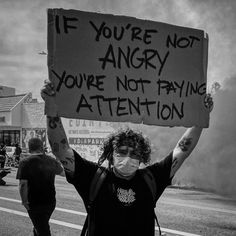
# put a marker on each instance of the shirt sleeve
(161, 173)
(22, 172)
(83, 175)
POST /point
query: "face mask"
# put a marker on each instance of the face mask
(125, 166)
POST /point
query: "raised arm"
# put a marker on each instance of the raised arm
(188, 142)
(184, 148)
(56, 133)
(59, 143)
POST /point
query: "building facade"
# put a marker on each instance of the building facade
(22, 118)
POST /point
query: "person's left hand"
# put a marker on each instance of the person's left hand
(208, 102)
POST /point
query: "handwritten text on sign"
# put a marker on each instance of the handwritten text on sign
(117, 68)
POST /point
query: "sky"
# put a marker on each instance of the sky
(23, 34)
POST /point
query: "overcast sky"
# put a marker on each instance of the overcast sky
(23, 33)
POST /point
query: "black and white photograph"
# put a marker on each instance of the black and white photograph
(117, 117)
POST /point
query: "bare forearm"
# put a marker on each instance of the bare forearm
(56, 134)
(184, 147)
(59, 143)
(189, 140)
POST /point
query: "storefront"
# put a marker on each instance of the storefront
(28, 133)
(10, 137)
(22, 118)
(14, 117)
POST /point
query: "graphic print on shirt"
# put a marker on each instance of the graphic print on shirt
(126, 197)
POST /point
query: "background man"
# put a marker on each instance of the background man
(36, 175)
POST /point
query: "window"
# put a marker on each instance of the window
(2, 119)
(9, 137)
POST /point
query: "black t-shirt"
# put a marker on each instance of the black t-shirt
(40, 171)
(122, 207)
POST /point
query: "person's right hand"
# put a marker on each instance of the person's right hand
(47, 89)
(48, 95)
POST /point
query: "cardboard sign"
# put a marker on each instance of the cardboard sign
(118, 68)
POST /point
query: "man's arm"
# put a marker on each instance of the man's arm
(188, 141)
(23, 189)
(56, 133)
(184, 148)
(59, 143)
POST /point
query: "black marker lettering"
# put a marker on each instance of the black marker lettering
(147, 103)
(181, 42)
(121, 108)
(106, 59)
(98, 31)
(109, 100)
(137, 59)
(98, 97)
(162, 61)
(120, 36)
(57, 25)
(136, 107)
(83, 104)
(66, 21)
(135, 33)
(147, 35)
(61, 78)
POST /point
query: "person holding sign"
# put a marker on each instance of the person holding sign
(123, 204)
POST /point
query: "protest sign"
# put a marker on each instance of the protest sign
(119, 68)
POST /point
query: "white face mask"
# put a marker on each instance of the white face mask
(125, 166)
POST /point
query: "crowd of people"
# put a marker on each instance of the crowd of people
(7, 160)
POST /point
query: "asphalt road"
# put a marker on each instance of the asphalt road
(180, 212)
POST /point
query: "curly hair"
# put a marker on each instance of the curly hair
(129, 138)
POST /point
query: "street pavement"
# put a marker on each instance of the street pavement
(180, 212)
